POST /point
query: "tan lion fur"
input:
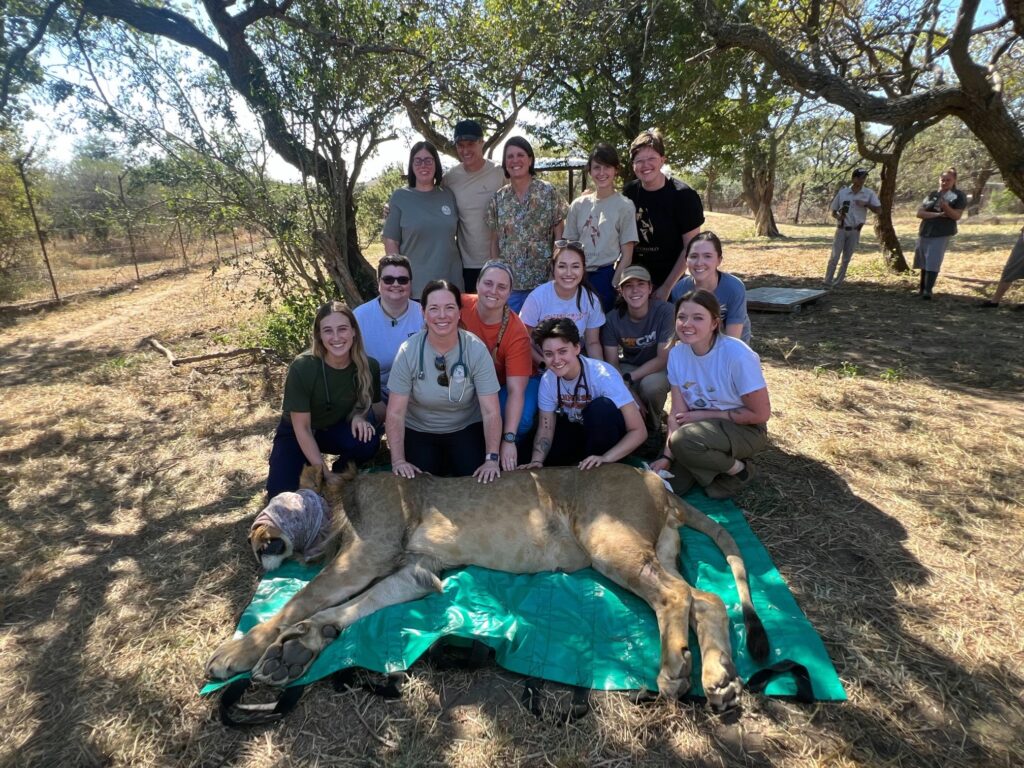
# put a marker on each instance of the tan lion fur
(392, 537)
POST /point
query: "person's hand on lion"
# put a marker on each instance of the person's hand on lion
(487, 472)
(405, 469)
(592, 461)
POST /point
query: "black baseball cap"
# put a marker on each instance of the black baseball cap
(468, 130)
(859, 172)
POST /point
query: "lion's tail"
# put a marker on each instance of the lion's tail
(688, 515)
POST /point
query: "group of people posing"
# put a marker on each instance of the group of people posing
(543, 334)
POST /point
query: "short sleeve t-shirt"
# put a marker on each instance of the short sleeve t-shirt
(433, 407)
(424, 224)
(327, 394)
(718, 380)
(941, 227)
(732, 298)
(856, 214)
(596, 379)
(382, 335)
(544, 302)
(513, 356)
(662, 218)
(638, 340)
(603, 226)
(473, 193)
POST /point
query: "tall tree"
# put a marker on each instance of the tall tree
(315, 91)
(812, 45)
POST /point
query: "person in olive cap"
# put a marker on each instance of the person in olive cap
(473, 182)
(849, 209)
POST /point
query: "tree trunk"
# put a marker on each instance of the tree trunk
(758, 190)
(799, 203)
(888, 240)
(978, 189)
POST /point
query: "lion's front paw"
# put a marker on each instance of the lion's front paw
(722, 687)
(292, 654)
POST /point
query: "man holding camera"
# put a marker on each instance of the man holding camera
(849, 209)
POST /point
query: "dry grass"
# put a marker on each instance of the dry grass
(891, 504)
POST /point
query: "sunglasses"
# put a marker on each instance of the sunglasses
(441, 365)
(569, 244)
(392, 279)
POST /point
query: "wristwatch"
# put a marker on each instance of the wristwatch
(509, 437)
(491, 457)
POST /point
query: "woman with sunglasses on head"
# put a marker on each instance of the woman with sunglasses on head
(423, 219)
(488, 316)
(392, 317)
(720, 404)
(587, 414)
(330, 395)
(703, 259)
(443, 414)
(568, 294)
(605, 222)
(524, 217)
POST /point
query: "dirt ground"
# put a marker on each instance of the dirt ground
(891, 503)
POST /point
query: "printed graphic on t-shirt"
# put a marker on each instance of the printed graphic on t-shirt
(572, 399)
(639, 342)
(590, 229)
(644, 225)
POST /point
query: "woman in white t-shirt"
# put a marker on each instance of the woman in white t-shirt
(587, 414)
(720, 403)
(569, 295)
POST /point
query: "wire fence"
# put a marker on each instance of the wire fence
(69, 263)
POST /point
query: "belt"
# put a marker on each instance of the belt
(847, 229)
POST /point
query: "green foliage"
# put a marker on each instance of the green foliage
(16, 229)
(371, 199)
(287, 329)
(893, 375)
(848, 370)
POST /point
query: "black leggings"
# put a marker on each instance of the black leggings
(603, 426)
(455, 454)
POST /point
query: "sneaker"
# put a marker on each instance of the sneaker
(989, 304)
(726, 486)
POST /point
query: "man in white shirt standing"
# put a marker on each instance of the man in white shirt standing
(473, 182)
(849, 209)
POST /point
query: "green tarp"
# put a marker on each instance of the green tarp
(578, 628)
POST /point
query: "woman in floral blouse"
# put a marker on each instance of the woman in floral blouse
(525, 217)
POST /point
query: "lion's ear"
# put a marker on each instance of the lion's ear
(314, 478)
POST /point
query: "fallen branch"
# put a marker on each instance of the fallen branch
(261, 351)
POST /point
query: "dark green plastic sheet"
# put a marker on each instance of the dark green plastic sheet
(578, 628)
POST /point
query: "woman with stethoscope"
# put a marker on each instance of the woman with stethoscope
(443, 413)
(588, 416)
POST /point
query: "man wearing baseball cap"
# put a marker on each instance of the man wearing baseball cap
(473, 182)
(635, 338)
(849, 209)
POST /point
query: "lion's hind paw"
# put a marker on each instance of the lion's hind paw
(292, 654)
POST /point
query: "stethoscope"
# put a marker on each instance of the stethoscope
(581, 383)
(458, 363)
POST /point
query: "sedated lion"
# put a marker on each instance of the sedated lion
(392, 537)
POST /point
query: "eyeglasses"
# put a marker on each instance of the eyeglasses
(392, 279)
(420, 161)
(569, 244)
(442, 365)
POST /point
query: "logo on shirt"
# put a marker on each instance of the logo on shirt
(446, 210)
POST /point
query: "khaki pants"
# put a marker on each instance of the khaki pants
(653, 387)
(706, 449)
